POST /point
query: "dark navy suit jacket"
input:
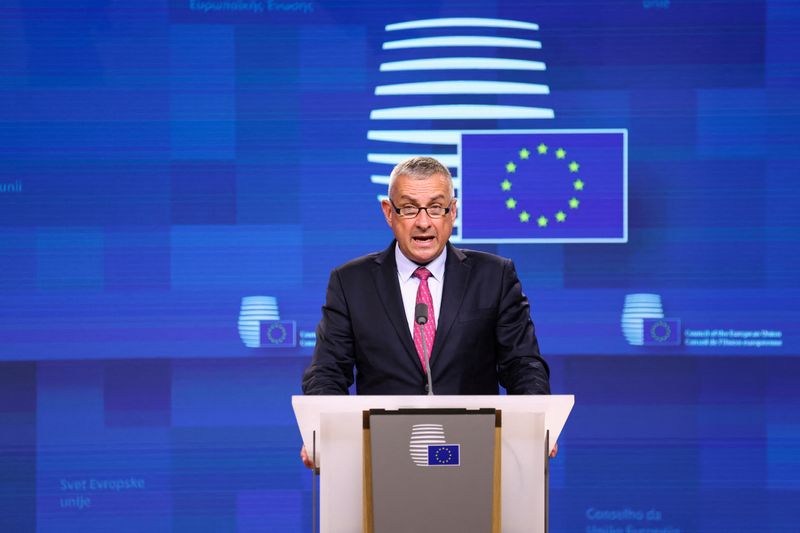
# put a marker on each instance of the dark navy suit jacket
(484, 333)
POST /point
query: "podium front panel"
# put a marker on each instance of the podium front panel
(432, 470)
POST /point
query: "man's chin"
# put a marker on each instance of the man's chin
(424, 254)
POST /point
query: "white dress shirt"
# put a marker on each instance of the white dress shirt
(409, 284)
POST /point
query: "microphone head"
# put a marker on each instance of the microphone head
(421, 314)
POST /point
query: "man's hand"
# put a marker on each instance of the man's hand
(306, 459)
(553, 452)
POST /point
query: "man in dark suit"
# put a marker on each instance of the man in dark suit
(479, 332)
(483, 336)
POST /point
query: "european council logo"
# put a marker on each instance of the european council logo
(260, 324)
(429, 447)
(515, 185)
(644, 324)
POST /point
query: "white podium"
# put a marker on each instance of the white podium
(333, 426)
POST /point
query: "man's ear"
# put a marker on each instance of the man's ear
(388, 211)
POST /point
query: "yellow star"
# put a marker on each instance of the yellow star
(574, 203)
(573, 167)
(524, 153)
(542, 149)
(561, 216)
(578, 184)
(542, 221)
(505, 185)
(511, 167)
(561, 153)
(524, 216)
(511, 203)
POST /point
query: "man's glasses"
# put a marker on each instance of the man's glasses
(411, 211)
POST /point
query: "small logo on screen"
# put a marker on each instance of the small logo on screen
(260, 324)
(444, 455)
(661, 331)
(644, 323)
(278, 334)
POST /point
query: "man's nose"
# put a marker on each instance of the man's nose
(423, 220)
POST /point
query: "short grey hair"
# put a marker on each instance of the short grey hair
(420, 168)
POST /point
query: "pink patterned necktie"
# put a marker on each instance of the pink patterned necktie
(424, 297)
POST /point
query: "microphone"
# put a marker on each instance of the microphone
(421, 314)
(421, 318)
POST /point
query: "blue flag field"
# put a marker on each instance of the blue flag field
(544, 186)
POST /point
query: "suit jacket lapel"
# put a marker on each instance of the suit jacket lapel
(456, 277)
(388, 288)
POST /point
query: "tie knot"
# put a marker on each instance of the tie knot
(422, 273)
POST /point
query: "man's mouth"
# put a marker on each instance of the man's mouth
(422, 238)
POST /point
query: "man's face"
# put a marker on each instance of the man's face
(422, 238)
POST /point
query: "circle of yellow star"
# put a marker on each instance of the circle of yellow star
(512, 204)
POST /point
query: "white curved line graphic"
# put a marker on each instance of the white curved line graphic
(380, 180)
(462, 22)
(460, 111)
(462, 63)
(462, 87)
(461, 40)
(448, 160)
(416, 136)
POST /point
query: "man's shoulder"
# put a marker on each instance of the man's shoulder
(478, 258)
(360, 263)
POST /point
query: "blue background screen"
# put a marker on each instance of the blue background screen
(178, 178)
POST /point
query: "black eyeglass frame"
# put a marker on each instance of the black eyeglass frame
(415, 215)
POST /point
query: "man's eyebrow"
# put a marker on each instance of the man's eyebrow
(433, 199)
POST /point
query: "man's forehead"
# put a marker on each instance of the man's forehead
(434, 186)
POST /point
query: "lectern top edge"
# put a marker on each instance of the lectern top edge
(309, 409)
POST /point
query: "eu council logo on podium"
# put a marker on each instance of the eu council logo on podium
(444, 455)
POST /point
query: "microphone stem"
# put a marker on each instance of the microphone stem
(427, 359)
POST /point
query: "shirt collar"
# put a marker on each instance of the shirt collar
(406, 267)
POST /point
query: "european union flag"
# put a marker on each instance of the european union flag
(444, 455)
(544, 186)
(661, 331)
(278, 334)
